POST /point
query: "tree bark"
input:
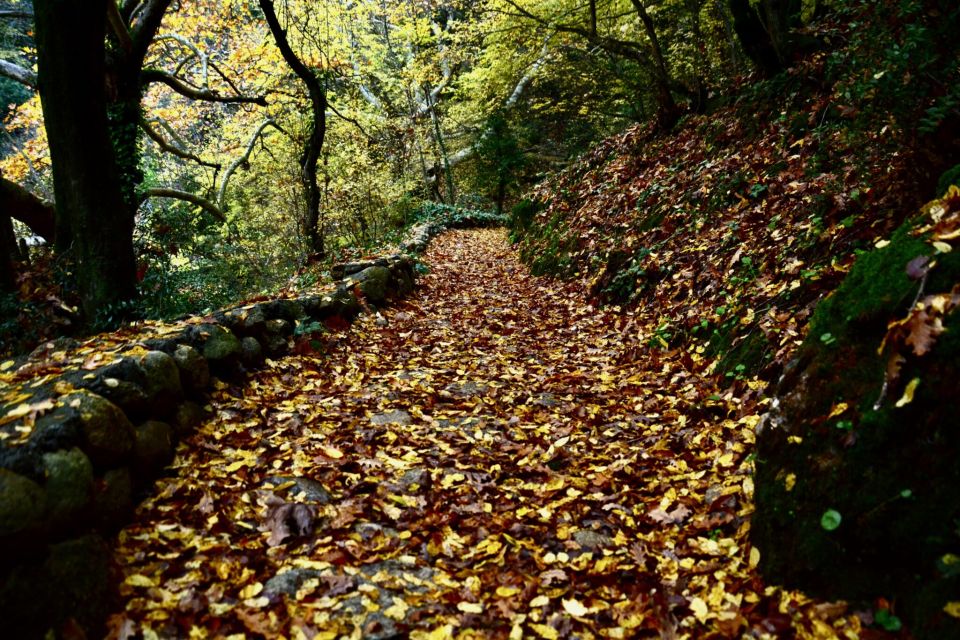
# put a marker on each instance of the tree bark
(93, 223)
(764, 31)
(8, 253)
(310, 156)
(667, 111)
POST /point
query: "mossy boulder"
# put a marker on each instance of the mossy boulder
(69, 486)
(154, 447)
(220, 344)
(194, 370)
(857, 462)
(374, 283)
(108, 436)
(162, 382)
(22, 503)
(113, 499)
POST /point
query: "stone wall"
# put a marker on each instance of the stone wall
(81, 433)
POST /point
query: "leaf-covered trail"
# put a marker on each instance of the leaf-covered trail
(490, 459)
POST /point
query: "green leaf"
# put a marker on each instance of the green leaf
(887, 620)
(830, 519)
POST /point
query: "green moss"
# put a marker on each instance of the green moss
(877, 286)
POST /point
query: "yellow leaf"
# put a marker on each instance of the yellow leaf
(754, 557)
(838, 409)
(470, 607)
(699, 609)
(942, 247)
(397, 611)
(575, 608)
(907, 397)
(790, 481)
(545, 631)
(539, 601)
(452, 479)
(6, 365)
(137, 580)
(440, 633)
(332, 452)
(952, 609)
(881, 244)
(251, 591)
(506, 592)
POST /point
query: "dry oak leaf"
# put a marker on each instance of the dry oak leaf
(286, 520)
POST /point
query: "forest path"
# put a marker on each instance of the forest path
(490, 455)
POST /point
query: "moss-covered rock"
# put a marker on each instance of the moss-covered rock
(113, 499)
(69, 486)
(220, 344)
(857, 472)
(374, 283)
(154, 447)
(107, 433)
(194, 370)
(162, 383)
(22, 503)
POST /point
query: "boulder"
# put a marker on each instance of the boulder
(108, 435)
(289, 310)
(113, 499)
(122, 382)
(154, 447)
(22, 504)
(220, 344)
(251, 353)
(374, 283)
(62, 595)
(193, 367)
(69, 486)
(162, 383)
(187, 417)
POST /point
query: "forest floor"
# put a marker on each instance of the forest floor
(488, 458)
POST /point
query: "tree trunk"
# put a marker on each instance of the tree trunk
(765, 31)
(318, 129)
(667, 111)
(8, 253)
(93, 223)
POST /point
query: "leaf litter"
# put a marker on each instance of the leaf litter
(486, 461)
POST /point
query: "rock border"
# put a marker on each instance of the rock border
(98, 436)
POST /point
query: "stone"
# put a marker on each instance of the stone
(289, 582)
(22, 503)
(113, 499)
(186, 418)
(69, 485)
(251, 353)
(62, 428)
(221, 344)
(154, 448)
(162, 383)
(591, 540)
(108, 436)
(373, 283)
(194, 370)
(121, 382)
(24, 460)
(307, 488)
(396, 416)
(289, 310)
(69, 581)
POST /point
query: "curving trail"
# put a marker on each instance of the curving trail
(492, 458)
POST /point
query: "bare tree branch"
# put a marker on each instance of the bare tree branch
(171, 148)
(222, 192)
(119, 27)
(204, 59)
(190, 91)
(20, 74)
(176, 194)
